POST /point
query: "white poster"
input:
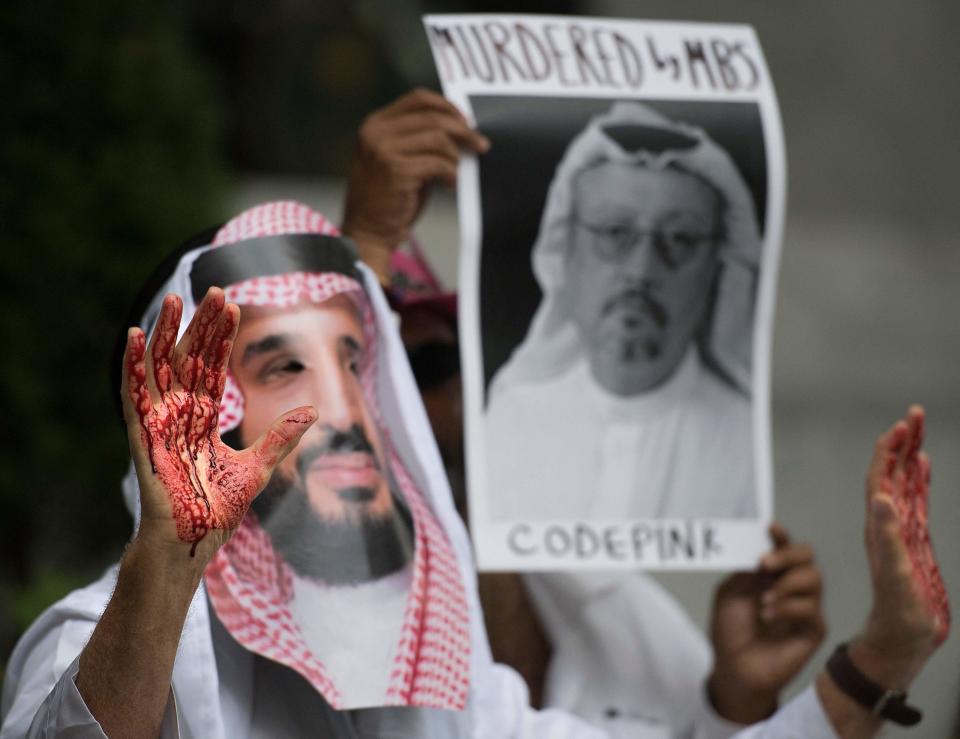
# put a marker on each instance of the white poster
(619, 248)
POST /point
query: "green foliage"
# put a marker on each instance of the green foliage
(109, 157)
(44, 588)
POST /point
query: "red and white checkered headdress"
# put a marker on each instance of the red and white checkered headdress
(248, 583)
(279, 219)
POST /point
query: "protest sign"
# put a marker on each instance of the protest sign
(619, 245)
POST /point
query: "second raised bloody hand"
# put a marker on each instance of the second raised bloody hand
(898, 541)
(910, 616)
(191, 483)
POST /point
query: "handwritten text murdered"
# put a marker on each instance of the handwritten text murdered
(578, 54)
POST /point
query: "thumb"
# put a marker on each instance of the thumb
(779, 536)
(886, 542)
(282, 437)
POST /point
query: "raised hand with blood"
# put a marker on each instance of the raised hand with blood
(903, 477)
(172, 394)
(911, 613)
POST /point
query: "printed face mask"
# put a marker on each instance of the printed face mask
(340, 570)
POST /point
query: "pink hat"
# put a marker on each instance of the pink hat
(413, 284)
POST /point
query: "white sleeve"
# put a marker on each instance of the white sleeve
(40, 698)
(626, 656)
(44, 702)
(801, 718)
(501, 710)
(63, 712)
(708, 724)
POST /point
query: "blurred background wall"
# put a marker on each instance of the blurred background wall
(127, 126)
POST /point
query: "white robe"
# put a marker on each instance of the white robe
(566, 449)
(594, 620)
(40, 698)
(219, 692)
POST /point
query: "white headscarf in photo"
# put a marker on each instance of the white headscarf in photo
(248, 583)
(553, 344)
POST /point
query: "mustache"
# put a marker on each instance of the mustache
(336, 441)
(334, 551)
(643, 295)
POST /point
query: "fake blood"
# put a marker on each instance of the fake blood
(209, 485)
(910, 487)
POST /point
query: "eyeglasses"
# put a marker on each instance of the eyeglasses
(674, 246)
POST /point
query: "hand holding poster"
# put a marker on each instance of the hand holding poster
(619, 250)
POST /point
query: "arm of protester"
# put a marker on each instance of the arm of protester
(910, 616)
(194, 492)
(402, 150)
(766, 625)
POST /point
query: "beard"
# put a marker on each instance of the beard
(632, 325)
(353, 549)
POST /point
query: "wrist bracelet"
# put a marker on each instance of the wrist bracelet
(887, 704)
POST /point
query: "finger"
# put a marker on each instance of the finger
(134, 392)
(880, 462)
(428, 168)
(913, 511)
(737, 585)
(282, 437)
(916, 423)
(162, 343)
(456, 128)
(924, 468)
(907, 446)
(791, 555)
(218, 354)
(420, 99)
(885, 475)
(911, 437)
(805, 580)
(438, 143)
(800, 611)
(779, 535)
(189, 354)
(920, 485)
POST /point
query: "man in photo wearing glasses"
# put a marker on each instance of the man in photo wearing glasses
(630, 394)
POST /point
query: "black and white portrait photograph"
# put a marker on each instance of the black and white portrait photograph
(619, 251)
(628, 394)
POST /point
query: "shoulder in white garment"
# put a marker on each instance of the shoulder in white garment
(35, 693)
(566, 449)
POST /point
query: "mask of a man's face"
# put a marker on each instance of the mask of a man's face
(328, 507)
(640, 270)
